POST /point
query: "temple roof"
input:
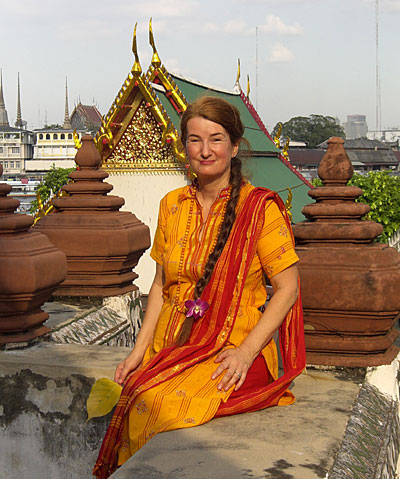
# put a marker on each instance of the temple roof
(140, 132)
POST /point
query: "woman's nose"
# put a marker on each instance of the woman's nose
(205, 149)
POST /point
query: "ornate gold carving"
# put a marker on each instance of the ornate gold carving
(77, 141)
(237, 83)
(169, 84)
(248, 86)
(277, 137)
(144, 145)
(119, 123)
(285, 149)
(155, 61)
(288, 203)
(136, 69)
(46, 208)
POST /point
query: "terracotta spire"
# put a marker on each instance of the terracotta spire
(102, 244)
(350, 284)
(3, 111)
(67, 121)
(30, 270)
(18, 122)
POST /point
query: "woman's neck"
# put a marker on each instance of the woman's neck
(209, 190)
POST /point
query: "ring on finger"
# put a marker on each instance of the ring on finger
(238, 374)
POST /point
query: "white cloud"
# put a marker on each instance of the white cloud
(164, 8)
(275, 25)
(238, 27)
(280, 53)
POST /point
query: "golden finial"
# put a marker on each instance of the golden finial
(77, 141)
(238, 74)
(286, 148)
(277, 137)
(248, 86)
(136, 66)
(288, 204)
(155, 61)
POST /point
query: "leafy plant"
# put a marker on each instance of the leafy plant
(381, 191)
(52, 182)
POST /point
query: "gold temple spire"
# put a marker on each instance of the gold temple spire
(155, 61)
(248, 86)
(237, 84)
(136, 66)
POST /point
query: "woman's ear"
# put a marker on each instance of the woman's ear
(235, 150)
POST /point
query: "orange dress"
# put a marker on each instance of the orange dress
(192, 398)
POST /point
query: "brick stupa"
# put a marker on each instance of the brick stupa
(31, 268)
(102, 243)
(350, 284)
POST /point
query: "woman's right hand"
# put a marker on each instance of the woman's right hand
(127, 367)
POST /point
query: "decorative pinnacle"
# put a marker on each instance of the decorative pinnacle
(3, 111)
(248, 86)
(18, 121)
(155, 61)
(237, 84)
(67, 122)
(136, 66)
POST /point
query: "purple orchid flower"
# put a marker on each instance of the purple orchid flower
(196, 309)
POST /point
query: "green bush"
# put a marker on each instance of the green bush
(52, 182)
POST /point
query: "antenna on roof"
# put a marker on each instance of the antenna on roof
(377, 76)
(136, 66)
(256, 67)
(155, 61)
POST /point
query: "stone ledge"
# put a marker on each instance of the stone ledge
(298, 441)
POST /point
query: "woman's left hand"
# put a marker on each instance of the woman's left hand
(235, 362)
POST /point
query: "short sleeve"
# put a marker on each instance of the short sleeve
(275, 247)
(157, 251)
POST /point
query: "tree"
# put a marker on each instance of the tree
(313, 130)
(52, 182)
(381, 192)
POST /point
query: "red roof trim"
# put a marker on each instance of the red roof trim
(259, 122)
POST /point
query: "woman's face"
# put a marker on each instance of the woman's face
(209, 149)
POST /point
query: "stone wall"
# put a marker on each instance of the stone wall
(43, 428)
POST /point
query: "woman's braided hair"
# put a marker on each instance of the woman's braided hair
(221, 112)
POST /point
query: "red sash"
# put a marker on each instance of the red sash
(210, 333)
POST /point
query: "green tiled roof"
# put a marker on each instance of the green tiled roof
(271, 172)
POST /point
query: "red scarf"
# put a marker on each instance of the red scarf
(210, 333)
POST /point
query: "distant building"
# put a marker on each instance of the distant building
(16, 144)
(356, 127)
(54, 146)
(85, 117)
(364, 154)
(16, 148)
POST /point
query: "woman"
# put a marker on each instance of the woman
(205, 348)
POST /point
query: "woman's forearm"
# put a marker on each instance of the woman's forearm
(154, 304)
(285, 286)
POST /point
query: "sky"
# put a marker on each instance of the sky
(308, 57)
